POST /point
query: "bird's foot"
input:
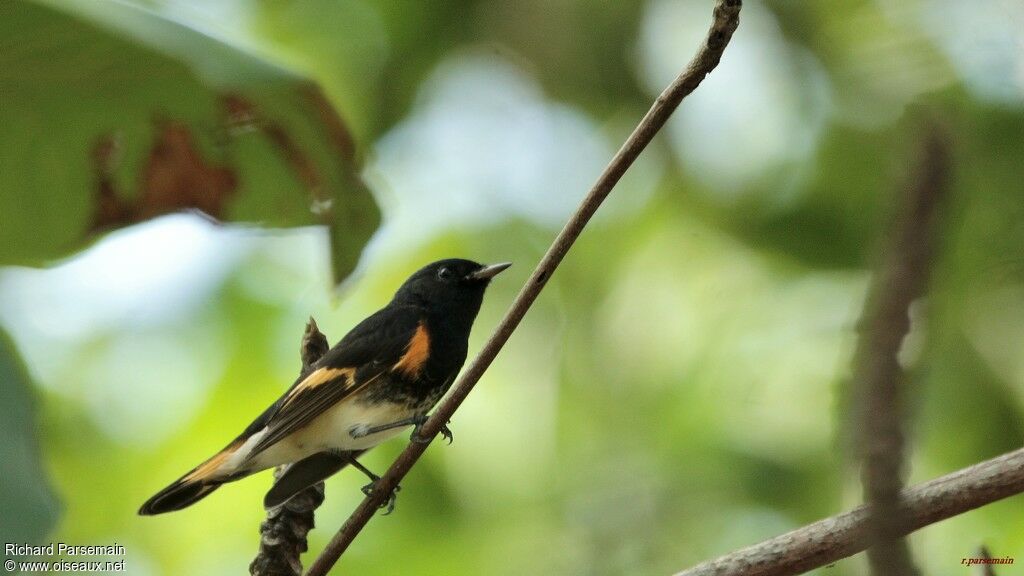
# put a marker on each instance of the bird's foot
(447, 434)
(392, 497)
(445, 431)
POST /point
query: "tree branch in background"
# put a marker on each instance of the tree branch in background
(986, 568)
(283, 533)
(726, 18)
(877, 378)
(838, 537)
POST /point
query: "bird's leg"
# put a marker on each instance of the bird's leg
(369, 488)
(355, 463)
(417, 421)
(362, 430)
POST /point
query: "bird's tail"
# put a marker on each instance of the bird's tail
(197, 484)
(304, 473)
(181, 494)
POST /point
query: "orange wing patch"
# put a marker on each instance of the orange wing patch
(416, 354)
(319, 377)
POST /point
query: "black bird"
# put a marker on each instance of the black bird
(383, 376)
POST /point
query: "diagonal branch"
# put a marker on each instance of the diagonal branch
(877, 378)
(837, 537)
(726, 18)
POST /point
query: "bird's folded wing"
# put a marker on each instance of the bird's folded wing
(320, 390)
(366, 354)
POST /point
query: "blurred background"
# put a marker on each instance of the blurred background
(675, 393)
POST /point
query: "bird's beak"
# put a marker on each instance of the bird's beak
(488, 272)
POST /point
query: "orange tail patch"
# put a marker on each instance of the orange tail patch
(204, 470)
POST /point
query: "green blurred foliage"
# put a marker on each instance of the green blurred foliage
(97, 87)
(30, 508)
(677, 391)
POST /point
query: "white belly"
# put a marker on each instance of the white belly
(328, 431)
(332, 429)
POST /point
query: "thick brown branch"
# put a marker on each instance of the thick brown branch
(835, 538)
(877, 377)
(283, 533)
(726, 18)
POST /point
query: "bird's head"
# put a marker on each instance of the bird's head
(447, 283)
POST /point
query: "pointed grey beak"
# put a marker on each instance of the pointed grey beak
(488, 272)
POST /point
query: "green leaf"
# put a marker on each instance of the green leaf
(28, 506)
(114, 115)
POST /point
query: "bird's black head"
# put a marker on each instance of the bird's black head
(449, 287)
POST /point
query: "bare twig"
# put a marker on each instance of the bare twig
(837, 537)
(878, 378)
(726, 18)
(283, 533)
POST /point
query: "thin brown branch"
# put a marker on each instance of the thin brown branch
(838, 537)
(877, 377)
(726, 18)
(283, 533)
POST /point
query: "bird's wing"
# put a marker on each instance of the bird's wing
(378, 345)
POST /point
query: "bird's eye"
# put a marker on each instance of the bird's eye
(445, 273)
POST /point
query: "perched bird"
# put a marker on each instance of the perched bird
(383, 376)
